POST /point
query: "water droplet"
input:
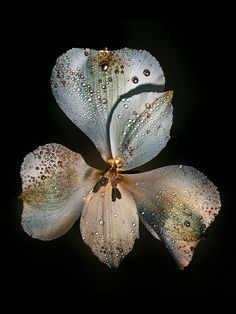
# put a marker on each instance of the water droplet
(126, 106)
(142, 213)
(136, 183)
(180, 166)
(116, 71)
(148, 106)
(146, 72)
(135, 79)
(187, 223)
(103, 86)
(134, 224)
(86, 52)
(160, 192)
(157, 196)
(115, 215)
(43, 177)
(104, 67)
(96, 233)
(101, 222)
(104, 101)
(119, 116)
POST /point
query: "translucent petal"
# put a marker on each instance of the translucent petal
(87, 83)
(55, 183)
(109, 228)
(178, 203)
(140, 128)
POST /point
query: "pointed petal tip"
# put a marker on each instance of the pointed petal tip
(109, 227)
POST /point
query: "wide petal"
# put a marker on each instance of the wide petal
(177, 204)
(87, 83)
(109, 228)
(56, 182)
(140, 128)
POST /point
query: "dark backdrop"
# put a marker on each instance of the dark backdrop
(197, 62)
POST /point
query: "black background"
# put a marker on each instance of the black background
(197, 62)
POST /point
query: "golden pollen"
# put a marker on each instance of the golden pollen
(116, 162)
(104, 59)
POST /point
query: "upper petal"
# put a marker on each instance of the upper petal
(140, 128)
(177, 203)
(55, 181)
(109, 228)
(87, 83)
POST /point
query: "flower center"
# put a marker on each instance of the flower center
(112, 176)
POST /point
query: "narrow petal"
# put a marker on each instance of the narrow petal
(87, 83)
(177, 203)
(109, 227)
(140, 128)
(55, 183)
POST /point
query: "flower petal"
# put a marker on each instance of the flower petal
(55, 181)
(87, 83)
(178, 203)
(109, 227)
(140, 128)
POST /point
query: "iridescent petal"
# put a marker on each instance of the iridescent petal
(140, 128)
(109, 227)
(177, 203)
(87, 83)
(56, 182)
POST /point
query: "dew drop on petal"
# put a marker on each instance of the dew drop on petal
(101, 222)
(187, 223)
(135, 79)
(146, 72)
(86, 52)
(126, 106)
(104, 67)
(119, 116)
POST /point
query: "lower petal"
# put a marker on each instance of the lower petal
(55, 181)
(177, 204)
(109, 227)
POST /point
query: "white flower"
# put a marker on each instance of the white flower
(175, 203)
